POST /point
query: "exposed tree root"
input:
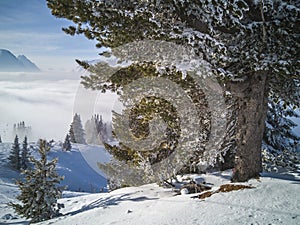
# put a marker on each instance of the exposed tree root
(224, 188)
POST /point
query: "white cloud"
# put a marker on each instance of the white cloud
(46, 104)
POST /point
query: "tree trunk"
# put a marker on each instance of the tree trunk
(252, 100)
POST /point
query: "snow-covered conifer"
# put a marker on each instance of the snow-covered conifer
(92, 136)
(24, 155)
(76, 132)
(67, 143)
(14, 157)
(96, 130)
(252, 47)
(71, 134)
(39, 190)
(281, 143)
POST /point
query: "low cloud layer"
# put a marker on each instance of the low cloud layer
(45, 101)
(48, 101)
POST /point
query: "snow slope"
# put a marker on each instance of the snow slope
(79, 167)
(274, 200)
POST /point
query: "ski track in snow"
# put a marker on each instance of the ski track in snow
(274, 200)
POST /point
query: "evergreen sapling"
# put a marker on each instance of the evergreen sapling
(67, 144)
(14, 157)
(76, 131)
(24, 162)
(39, 190)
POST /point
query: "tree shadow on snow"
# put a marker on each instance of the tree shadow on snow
(20, 223)
(223, 174)
(282, 176)
(109, 201)
(279, 175)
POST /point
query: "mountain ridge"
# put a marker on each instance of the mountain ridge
(10, 63)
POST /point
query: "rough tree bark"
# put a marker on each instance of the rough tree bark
(252, 99)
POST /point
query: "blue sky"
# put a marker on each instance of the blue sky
(27, 27)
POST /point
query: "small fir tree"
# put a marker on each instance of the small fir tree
(22, 130)
(24, 155)
(14, 157)
(96, 130)
(0, 139)
(71, 134)
(67, 144)
(39, 191)
(76, 131)
(92, 136)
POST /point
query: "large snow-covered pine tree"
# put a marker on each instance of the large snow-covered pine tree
(252, 46)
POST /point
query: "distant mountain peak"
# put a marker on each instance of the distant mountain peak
(5, 54)
(4, 51)
(10, 63)
(27, 63)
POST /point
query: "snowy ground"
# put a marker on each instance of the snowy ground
(274, 200)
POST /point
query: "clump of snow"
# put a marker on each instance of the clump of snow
(184, 191)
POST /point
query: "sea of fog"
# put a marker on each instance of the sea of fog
(47, 101)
